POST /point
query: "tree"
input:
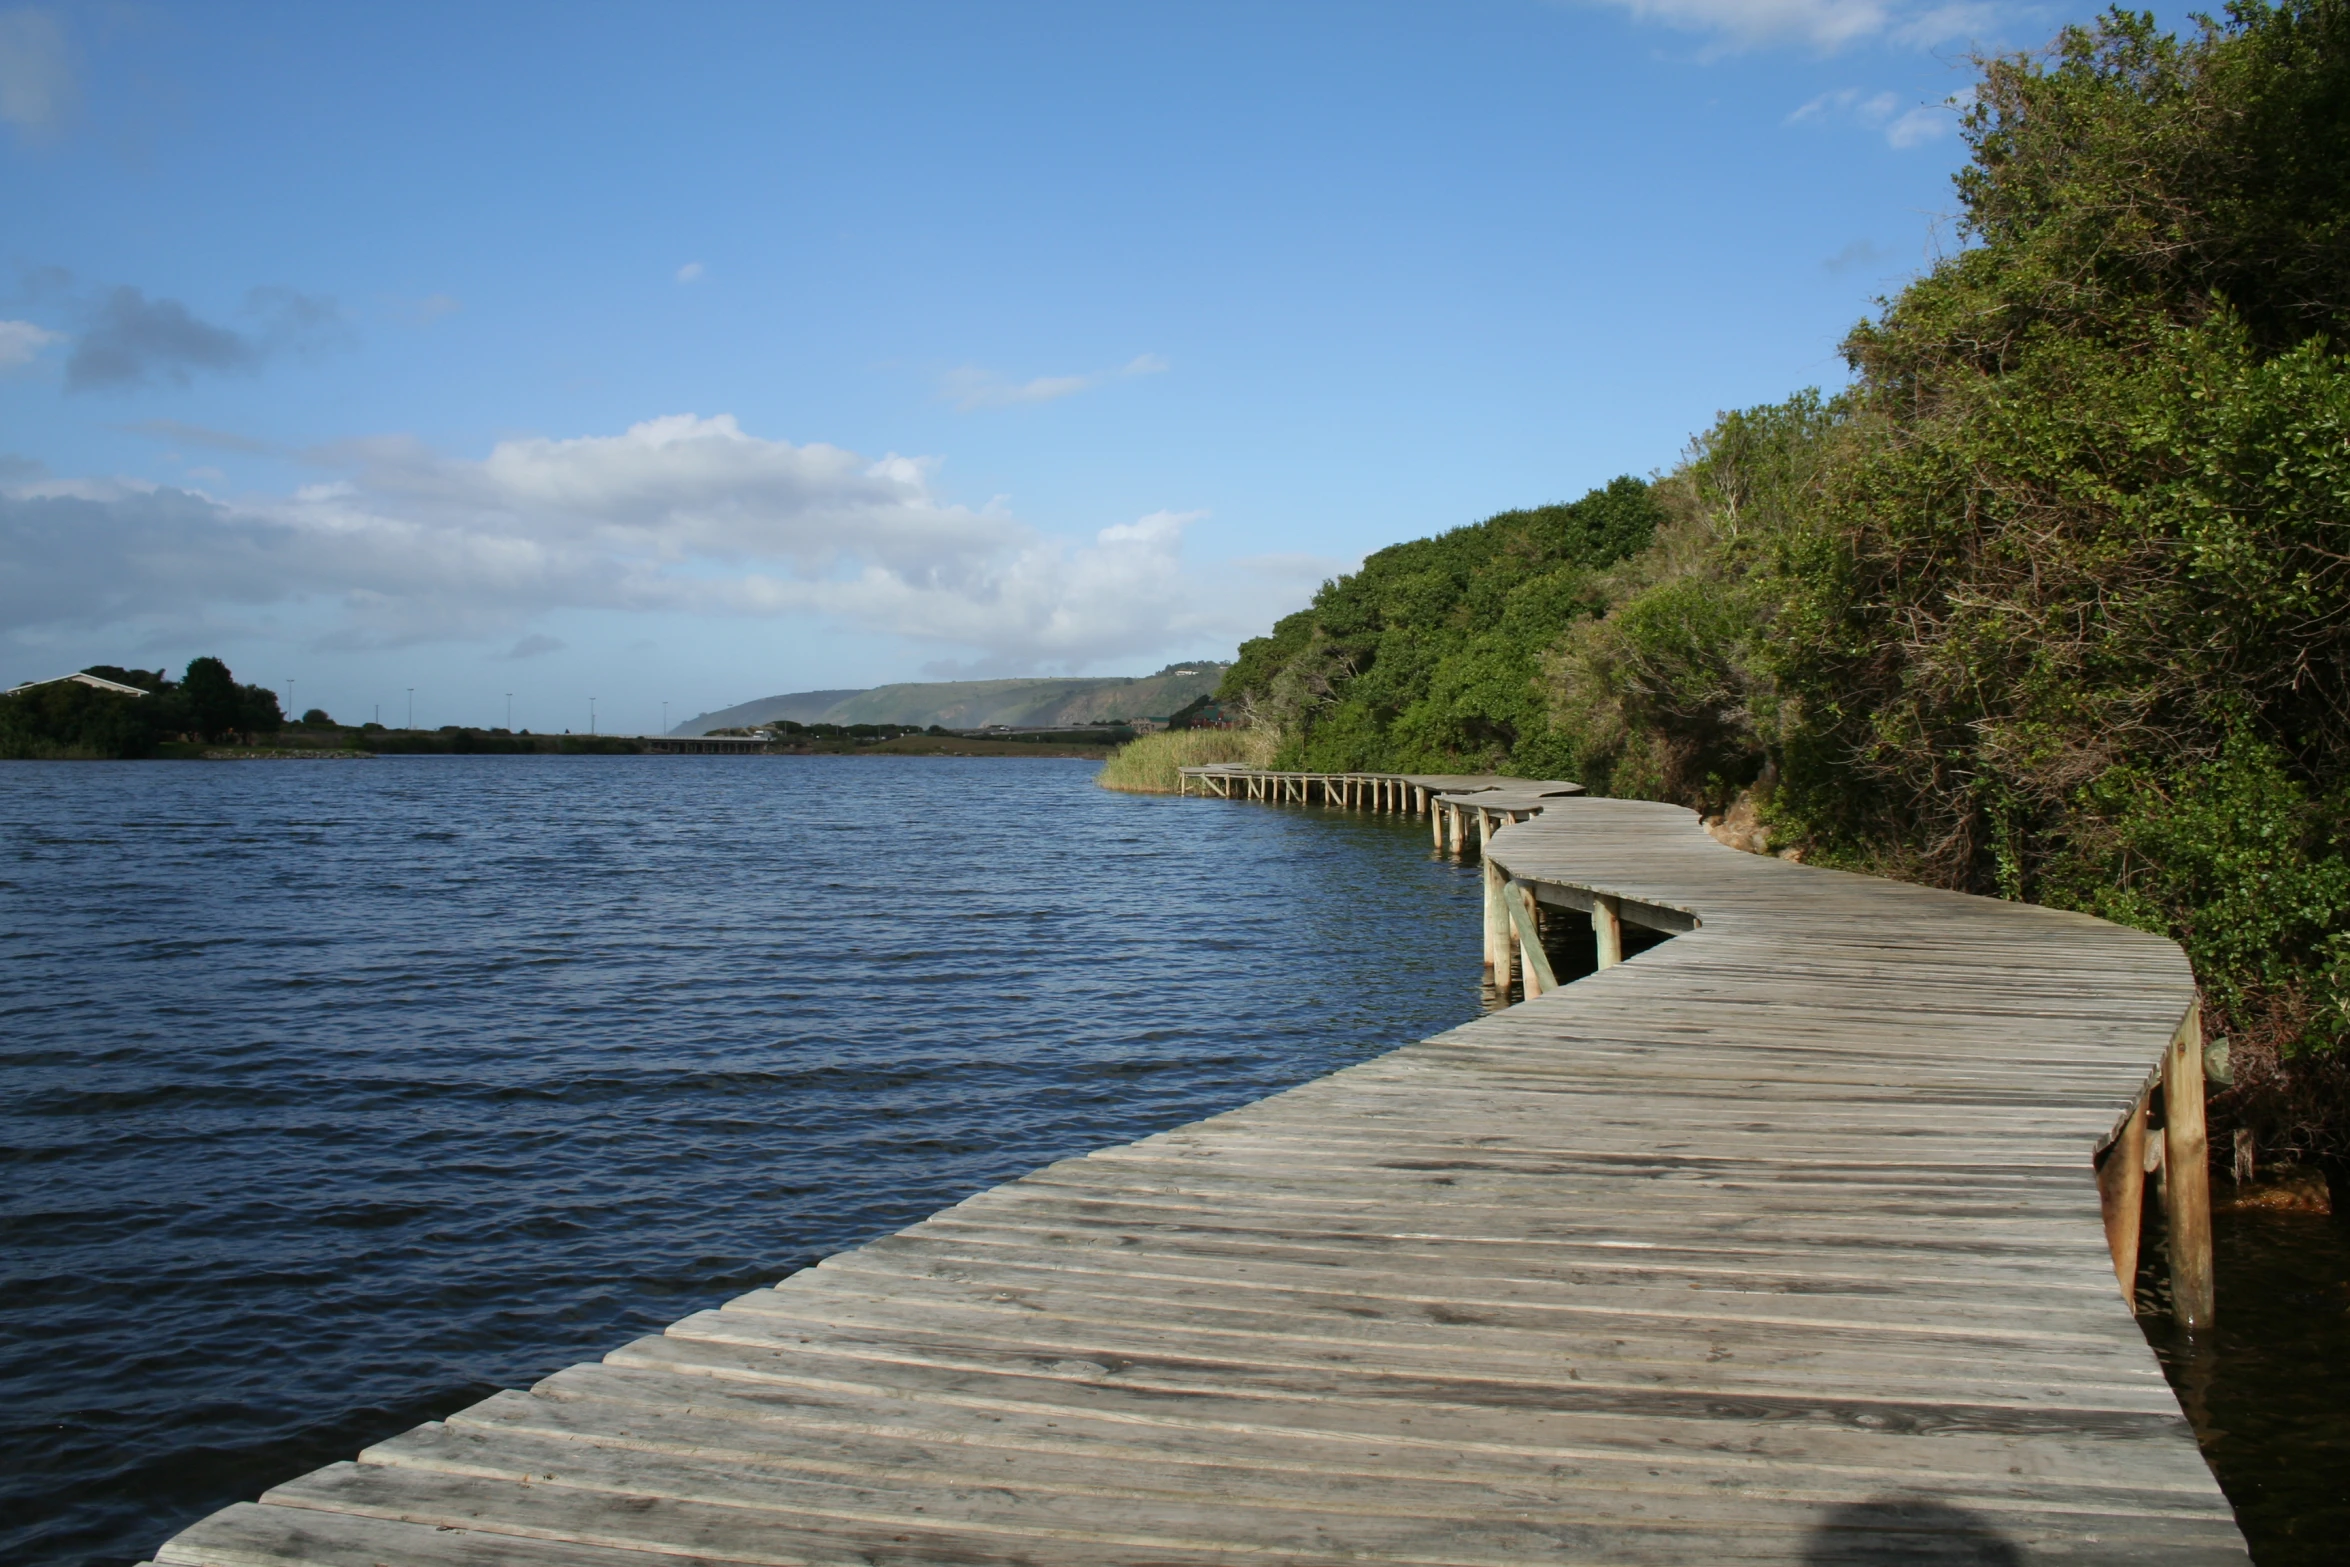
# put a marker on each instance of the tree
(216, 707)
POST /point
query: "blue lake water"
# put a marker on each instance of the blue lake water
(335, 1095)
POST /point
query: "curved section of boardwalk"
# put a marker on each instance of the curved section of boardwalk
(1777, 1243)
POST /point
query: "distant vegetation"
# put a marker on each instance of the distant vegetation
(2049, 603)
(68, 720)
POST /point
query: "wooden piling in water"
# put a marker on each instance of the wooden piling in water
(1497, 961)
(2186, 1164)
(1607, 925)
(2121, 1194)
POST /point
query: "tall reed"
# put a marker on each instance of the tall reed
(1147, 765)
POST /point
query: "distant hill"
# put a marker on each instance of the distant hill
(974, 704)
(801, 707)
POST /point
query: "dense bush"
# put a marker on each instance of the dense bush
(1429, 657)
(2064, 615)
(64, 720)
(2052, 602)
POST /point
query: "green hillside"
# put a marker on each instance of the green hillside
(976, 704)
(2052, 602)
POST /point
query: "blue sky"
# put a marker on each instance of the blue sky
(685, 354)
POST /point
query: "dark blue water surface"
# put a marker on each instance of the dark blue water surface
(335, 1095)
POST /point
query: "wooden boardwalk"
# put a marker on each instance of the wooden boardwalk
(1778, 1242)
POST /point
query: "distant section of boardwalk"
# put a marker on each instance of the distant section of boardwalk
(1777, 1242)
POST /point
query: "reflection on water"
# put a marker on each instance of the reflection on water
(2269, 1388)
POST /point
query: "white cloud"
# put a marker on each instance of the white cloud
(679, 514)
(1881, 112)
(970, 387)
(1927, 122)
(36, 71)
(1824, 25)
(21, 341)
(691, 272)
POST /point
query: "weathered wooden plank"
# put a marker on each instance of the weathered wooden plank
(1279, 1445)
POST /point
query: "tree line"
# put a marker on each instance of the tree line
(68, 720)
(2048, 603)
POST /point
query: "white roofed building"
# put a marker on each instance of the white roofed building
(87, 680)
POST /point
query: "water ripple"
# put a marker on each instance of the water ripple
(340, 1097)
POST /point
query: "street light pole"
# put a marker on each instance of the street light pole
(509, 712)
(412, 707)
(289, 696)
(591, 715)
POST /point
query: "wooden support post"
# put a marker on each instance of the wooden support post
(1608, 925)
(1527, 925)
(2186, 1170)
(1497, 930)
(1435, 822)
(2121, 1192)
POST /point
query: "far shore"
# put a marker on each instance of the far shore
(317, 745)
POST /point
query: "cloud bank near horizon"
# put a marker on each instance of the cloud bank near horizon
(406, 545)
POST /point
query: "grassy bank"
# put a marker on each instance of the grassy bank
(1148, 765)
